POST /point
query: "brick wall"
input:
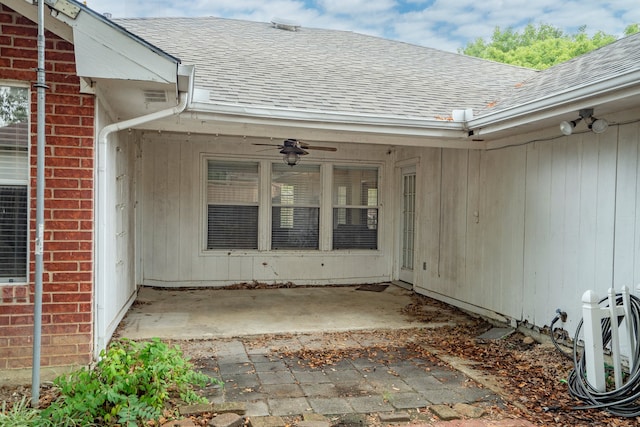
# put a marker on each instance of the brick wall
(68, 260)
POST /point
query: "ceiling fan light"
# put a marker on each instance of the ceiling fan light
(567, 127)
(599, 125)
(291, 158)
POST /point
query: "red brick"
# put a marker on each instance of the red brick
(71, 339)
(74, 297)
(5, 17)
(58, 329)
(61, 287)
(73, 151)
(15, 331)
(70, 360)
(61, 266)
(63, 56)
(67, 162)
(72, 214)
(63, 246)
(19, 363)
(85, 327)
(4, 342)
(72, 235)
(64, 68)
(17, 309)
(63, 45)
(73, 256)
(60, 308)
(4, 320)
(59, 205)
(72, 318)
(20, 30)
(22, 320)
(72, 194)
(29, 43)
(79, 111)
(68, 277)
(24, 75)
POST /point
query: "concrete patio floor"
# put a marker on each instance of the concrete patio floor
(222, 313)
(247, 338)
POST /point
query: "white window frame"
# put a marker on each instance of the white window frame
(21, 181)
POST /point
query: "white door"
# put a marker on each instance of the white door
(407, 226)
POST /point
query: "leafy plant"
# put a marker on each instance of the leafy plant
(19, 415)
(132, 382)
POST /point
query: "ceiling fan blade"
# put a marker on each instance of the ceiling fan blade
(313, 147)
(268, 145)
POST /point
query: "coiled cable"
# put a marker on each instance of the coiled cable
(622, 402)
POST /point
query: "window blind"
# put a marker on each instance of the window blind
(355, 207)
(14, 178)
(232, 205)
(295, 204)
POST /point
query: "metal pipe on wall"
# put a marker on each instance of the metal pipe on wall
(39, 243)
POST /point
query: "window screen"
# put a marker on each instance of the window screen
(355, 208)
(232, 205)
(14, 176)
(295, 204)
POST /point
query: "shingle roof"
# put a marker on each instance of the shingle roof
(615, 59)
(253, 63)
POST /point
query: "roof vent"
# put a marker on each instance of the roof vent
(284, 24)
(154, 95)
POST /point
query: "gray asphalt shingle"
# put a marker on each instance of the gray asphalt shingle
(253, 63)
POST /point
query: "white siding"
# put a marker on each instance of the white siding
(174, 222)
(524, 230)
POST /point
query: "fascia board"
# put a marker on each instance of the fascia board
(567, 101)
(104, 51)
(342, 121)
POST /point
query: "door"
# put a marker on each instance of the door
(407, 226)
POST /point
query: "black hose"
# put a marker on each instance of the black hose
(622, 402)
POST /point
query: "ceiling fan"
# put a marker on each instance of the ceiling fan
(292, 149)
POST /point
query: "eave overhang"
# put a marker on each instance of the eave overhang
(329, 126)
(606, 95)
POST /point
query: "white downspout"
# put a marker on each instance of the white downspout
(104, 244)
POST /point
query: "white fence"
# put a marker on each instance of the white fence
(609, 326)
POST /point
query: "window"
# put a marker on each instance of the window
(232, 205)
(355, 208)
(295, 204)
(14, 178)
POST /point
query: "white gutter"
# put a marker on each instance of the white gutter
(371, 123)
(104, 248)
(556, 104)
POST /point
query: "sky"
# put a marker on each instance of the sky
(441, 24)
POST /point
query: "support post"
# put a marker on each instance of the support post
(593, 355)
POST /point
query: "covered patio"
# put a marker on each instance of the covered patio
(206, 313)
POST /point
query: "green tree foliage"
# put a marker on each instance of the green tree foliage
(538, 47)
(14, 106)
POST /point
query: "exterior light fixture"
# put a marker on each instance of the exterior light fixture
(598, 125)
(291, 151)
(291, 158)
(586, 114)
(567, 127)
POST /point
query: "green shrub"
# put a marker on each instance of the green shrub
(132, 382)
(19, 415)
